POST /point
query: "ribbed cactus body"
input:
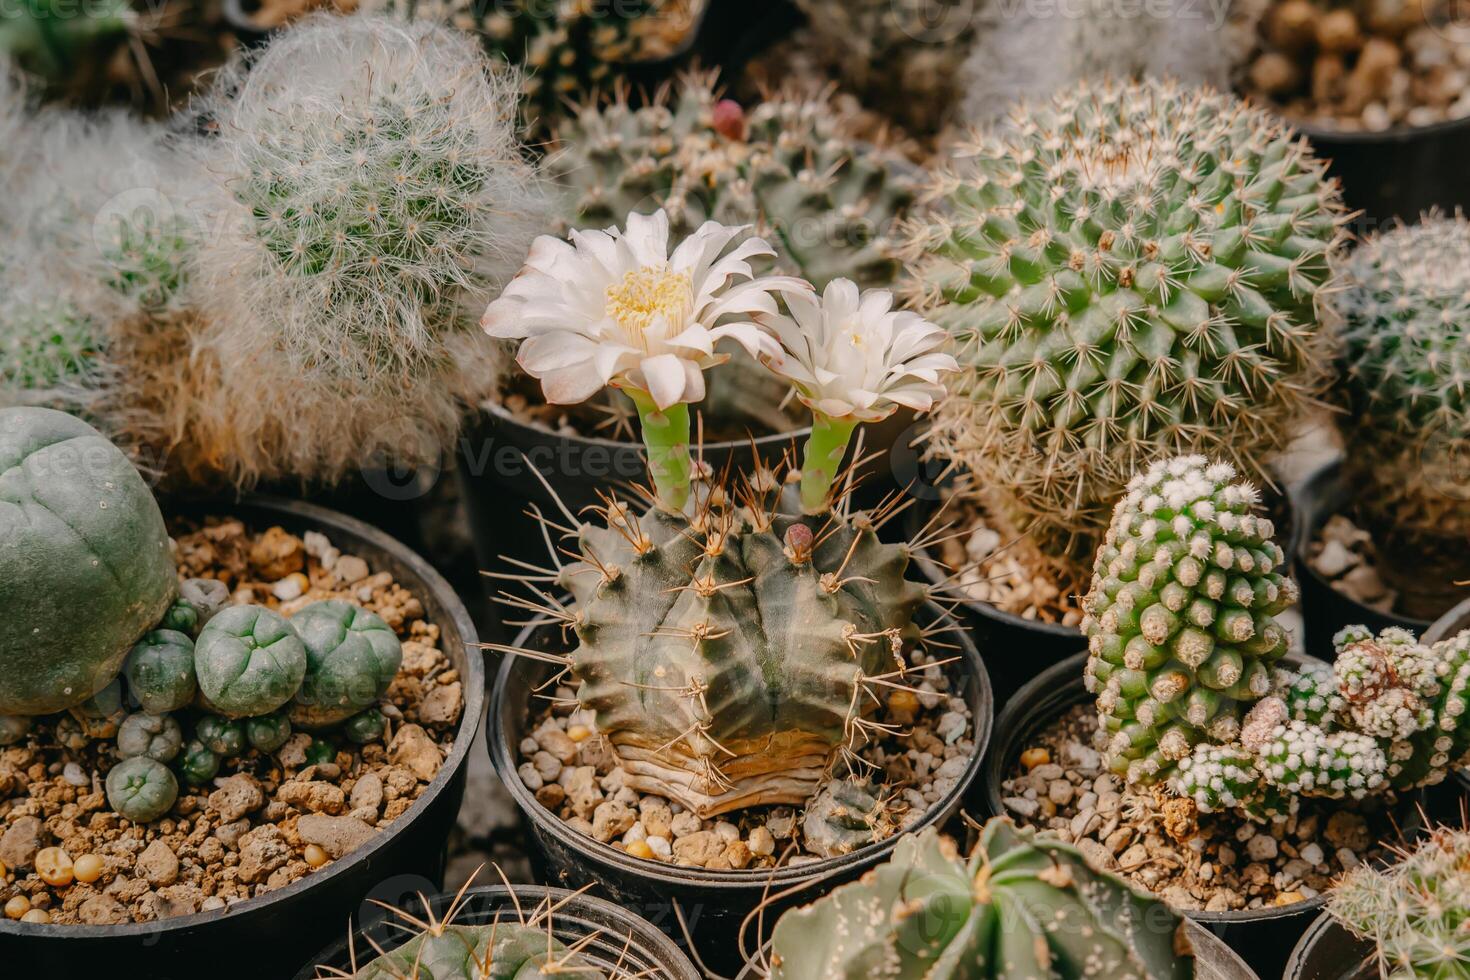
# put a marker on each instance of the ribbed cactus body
(1405, 379)
(1021, 908)
(789, 166)
(1131, 270)
(500, 951)
(1180, 617)
(725, 654)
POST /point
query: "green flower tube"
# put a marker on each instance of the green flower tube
(822, 458)
(666, 436)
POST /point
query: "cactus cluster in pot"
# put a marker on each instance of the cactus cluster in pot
(1022, 907)
(1185, 659)
(734, 638)
(1130, 270)
(1404, 370)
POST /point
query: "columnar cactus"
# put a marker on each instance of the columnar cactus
(1405, 381)
(789, 166)
(1131, 270)
(1023, 907)
(1414, 911)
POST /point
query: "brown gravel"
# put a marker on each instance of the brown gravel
(246, 833)
(1218, 862)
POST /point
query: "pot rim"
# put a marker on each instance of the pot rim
(504, 417)
(804, 875)
(1402, 133)
(473, 684)
(649, 935)
(1322, 926)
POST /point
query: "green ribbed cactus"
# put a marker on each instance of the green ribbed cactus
(1180, 618)
(567, 48)
(1416, 911)
(1131, 270)
(789, 166)
(1023, 907)
(727, 653)
(1405, 380)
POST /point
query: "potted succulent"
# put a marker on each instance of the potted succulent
(1400, 921)
(792, 167)
(522, 931)
(1230, 783)
(1021, 905)
(268, 710)
(1101, 260)
(1375, 548)
(742, 643)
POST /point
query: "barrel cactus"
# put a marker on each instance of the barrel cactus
(351, 658)
(156, 736)
(789, 166)
(1022, 906)
(1413, 911)
(1131, 270)
(249, 661)
(85, 565)
(1405, 380)
(141, 789)
(160, 671)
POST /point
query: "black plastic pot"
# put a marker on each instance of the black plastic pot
(1264, 937)
(272, 935)
(1327, 951)
(1399, 172)
(620, 940)
(712, 904)
(1324, 609)
(1213, 960)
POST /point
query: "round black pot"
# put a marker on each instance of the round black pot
(1324, 609)
(272, 935)
(1327, 951)
(1213, 960)
(712, 904)
(621, 941)
(1264, 937)
(1400, 172)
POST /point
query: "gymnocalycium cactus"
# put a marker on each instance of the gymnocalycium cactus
(1131, 270)
(1415, 910)
(1405, 378)
(730, 650)
(1022, 906)
(351, 658)
(789, 166)
(249, 661)
(1183, 651)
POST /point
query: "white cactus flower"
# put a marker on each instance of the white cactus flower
(615, 307)
(852, 356)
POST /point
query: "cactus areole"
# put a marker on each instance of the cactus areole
(85, 568)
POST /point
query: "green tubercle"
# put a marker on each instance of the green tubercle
(822, 459)
(666, 436)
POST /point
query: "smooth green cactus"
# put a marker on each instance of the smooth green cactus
(1405, 380)
(222, 736)
(365, 727)
(157, 737)
(790, 166)
(726, 653)
(160, 671)
(1180, 619)
(1129, 271)
(249, 661)
(1022, 906)
(319, 752)
(845, 815)
(197, 765)
(200, 600)
(1415, 910)
(141, 789)
(351, 659)
(268, 732)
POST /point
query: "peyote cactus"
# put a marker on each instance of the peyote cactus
(156, 736)
(200, 599)
(141, 789)
(365, 726)
(1405, 381)
(196, 764)
(790, 166)
(268, 732)
(372, 193)
(224, 737)
(351, 658)
(249, 661)
(160, 671)
(1022, 906)
(1131, 270)
(1414, 911)
(1182, 645)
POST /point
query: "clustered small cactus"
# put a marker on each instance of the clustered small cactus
(1405, 381)
(1022, 906)
(1184, 655)
(1131, 270)
(789, 166)
(1414, 911)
